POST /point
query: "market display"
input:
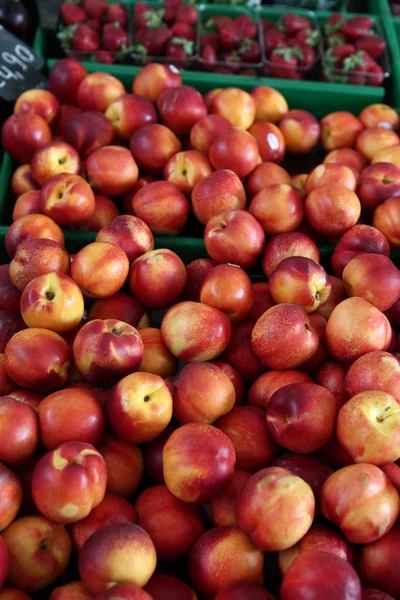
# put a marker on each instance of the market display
(220, 428)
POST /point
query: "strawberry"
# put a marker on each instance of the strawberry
(93, 24)
(96, 9)
(170, 7)
(308, 58)
(179, 48)
(373, 44)
(356, 78)
(102, 56)
(358, 62)
(291, 24)
(246, 27)
(334, 39)
(85, 39)
(186, 14)
(247, 72)
(266, 24)
(334, 23)
(308, 37)
(357, 27)
(337, 54)
(146, 16)
(249, 51)
(284, 63)
(293, 42)
(72, 13)
(80, 37)
(375, 75)
(116, 13)
(209, 56)
(272, 39)
(219, 20)
(183, 30)
(229, 37)
(114, 37)
(209, 39)
(154, 40)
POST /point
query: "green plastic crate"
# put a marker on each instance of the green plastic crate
(317, 96)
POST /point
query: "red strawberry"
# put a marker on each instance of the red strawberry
(334, 23)
(154, 40)
(213, 24)
(266, 24)
(357, 27)
(358, 62)
(183, 30)
(272, 39)
(373, 44)
(114, 37)
(186, 13)
(229, 37)
(94, 24)
(146, 16)
(85, 39)
(209, 56)
(375, 75)
(308, 37)
(308, 58)
(249, 51)
(291, 24)
(246, 27)
(209, 39)
(337, 54)
(284, 63)
(116, 13)
(169, 8)
(179, 48)
(71, 13)
(293, 42)
(219, 20)
(102, 56)
(96, 9)
(334, 39)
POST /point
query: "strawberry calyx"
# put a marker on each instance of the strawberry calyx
(354, 60)
(154, 18)
(333, 77)
(332, 27)
(246, 44)
(67, 34)
(335, 41)
(330, 58)
(288, 53)
(313, 37)
(186, 45)
(139, 49)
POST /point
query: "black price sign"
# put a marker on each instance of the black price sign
(19, 66)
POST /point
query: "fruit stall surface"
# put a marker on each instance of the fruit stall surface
(200, 304)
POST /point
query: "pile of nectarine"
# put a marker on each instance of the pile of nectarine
(96, 158)
(181, 431)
